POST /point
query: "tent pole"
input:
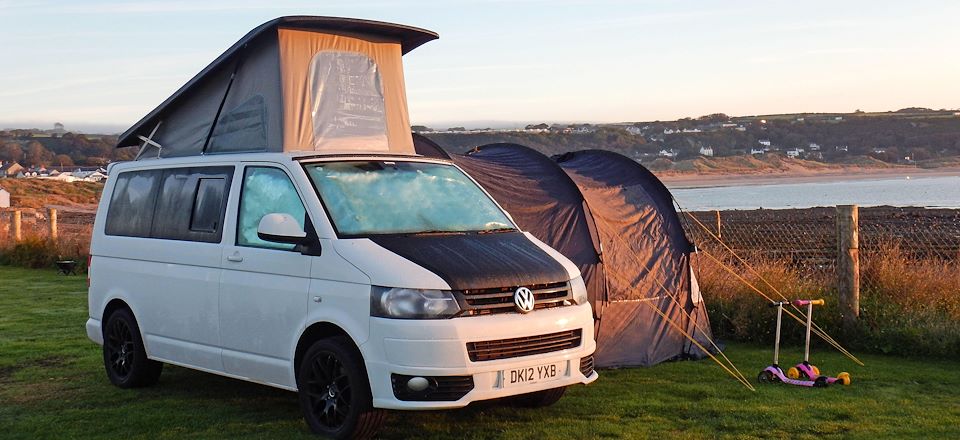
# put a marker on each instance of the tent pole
(216, 117)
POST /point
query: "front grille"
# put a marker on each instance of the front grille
(440, 388)
(527, 346)
(500, 299)
(586, 365)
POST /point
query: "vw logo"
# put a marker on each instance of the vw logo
(523, 299)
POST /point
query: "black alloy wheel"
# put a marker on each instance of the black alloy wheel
(124, 356)
(119, 348)
(334, 391)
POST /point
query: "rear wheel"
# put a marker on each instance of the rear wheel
(539, 399)
(335, 393)
(844, 378)
(124, 356)
(766, 377)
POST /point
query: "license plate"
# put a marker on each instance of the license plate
(535, 374)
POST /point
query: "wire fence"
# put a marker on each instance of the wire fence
(806, 239)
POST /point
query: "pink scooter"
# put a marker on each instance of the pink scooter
(773, 373)
(806, 368)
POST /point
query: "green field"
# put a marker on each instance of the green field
(52, 385)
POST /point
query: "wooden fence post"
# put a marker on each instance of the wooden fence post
(15, 225)
(719, 235)
(848, 263)
(52, 218)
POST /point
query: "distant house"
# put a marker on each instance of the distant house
(4, 198)
(764, 142)
(671, 153)
(879, 150)
(669, 131)
(813, 146)
(842, 148)
(706, 151)
(11, 170)
(740, 128)
(838, 118)
(757, 151)
(793, 152)
(634, 130)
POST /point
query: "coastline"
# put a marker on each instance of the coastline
(707, 180)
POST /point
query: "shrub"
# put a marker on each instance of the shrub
(908, 306)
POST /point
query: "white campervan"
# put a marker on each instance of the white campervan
(305, 245)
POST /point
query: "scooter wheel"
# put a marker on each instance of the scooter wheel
(766, 377)
(816, 371)
(821, 382)
(793, 373)
(844, 378)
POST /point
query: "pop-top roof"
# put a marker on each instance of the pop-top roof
(187, 113)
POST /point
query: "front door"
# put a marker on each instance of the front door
(264, 287)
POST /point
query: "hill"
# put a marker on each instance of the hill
(38, 193)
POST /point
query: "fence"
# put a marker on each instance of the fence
(68, 227)
(809, 240)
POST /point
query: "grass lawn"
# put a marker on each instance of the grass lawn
(52, 385)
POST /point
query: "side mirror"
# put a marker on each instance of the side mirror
(280, 228)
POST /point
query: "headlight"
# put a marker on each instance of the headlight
(401, 303)
(579, 291)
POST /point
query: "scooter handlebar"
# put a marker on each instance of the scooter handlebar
(803, 302)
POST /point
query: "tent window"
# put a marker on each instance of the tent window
(347, 106)
(243, 128)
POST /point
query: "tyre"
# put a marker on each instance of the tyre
(124, 356)
(816, 371)
(844, 378)
(766, 377)
(539, 399)
(334, 391)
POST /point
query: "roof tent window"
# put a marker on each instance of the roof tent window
(347, 102)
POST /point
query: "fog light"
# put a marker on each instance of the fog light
(418, 383)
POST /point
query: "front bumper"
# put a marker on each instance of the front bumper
(432, 348)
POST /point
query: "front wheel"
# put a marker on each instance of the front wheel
(539, 399)
(124, 356)
(335, 393)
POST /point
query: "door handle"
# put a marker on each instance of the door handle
(236, 258)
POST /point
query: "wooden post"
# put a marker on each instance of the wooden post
(719, 235)
(52, 218)
(15, 225)
(848, 263)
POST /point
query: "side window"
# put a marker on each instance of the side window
(266, 190)
(132, 203)
(191, 204)
(207, 204)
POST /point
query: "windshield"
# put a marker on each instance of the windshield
(386, 197)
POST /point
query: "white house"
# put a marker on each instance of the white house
(634, 130)
(669, 131)
(843, 148)
(764, 142)
(706, 151)
(4, 198)
(879, 150)
(757, 151)
(668, 153)
(793, 152)
(814, 146)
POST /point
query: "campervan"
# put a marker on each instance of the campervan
(277, 228)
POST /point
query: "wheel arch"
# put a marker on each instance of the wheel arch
(314, 332)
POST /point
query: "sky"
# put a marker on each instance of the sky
(102, 65)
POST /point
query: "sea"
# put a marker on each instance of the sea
(939, 192)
